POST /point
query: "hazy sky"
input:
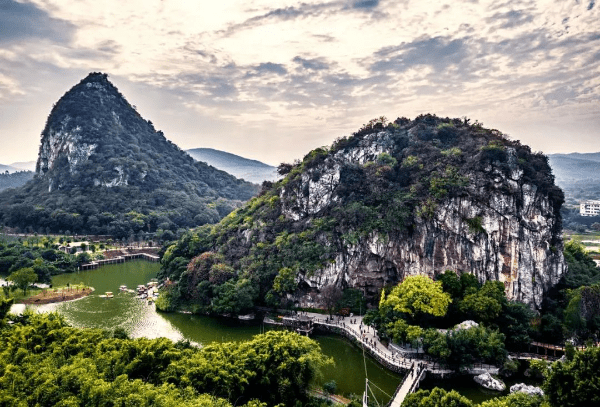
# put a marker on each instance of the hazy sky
(272, 79)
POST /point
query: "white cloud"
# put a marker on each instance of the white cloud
(315, 69)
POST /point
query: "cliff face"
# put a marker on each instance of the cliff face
(501, 227)
(94, 137)
(411, 197)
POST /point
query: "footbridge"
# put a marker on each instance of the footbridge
(409, 385)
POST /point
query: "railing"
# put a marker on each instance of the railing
(121, 259)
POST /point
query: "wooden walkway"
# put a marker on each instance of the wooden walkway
(367, 337)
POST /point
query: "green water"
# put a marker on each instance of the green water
(349, 369)
(140, 319)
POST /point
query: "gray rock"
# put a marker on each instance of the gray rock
(466, 325)
(524, 388)
(515, 244)
(486, 380)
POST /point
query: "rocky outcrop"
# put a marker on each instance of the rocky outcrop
(78, 127)
(524, 388)
(500, 227)
(411, 197)
(487, 381)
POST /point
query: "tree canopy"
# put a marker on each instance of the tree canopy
(575, 383)
(44, 362)
(23, 278)
(416, 296)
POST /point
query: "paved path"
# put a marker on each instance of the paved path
(410, 384)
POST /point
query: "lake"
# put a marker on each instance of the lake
(140, 319)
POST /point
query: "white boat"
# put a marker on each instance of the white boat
(123, 288)
(109, 294)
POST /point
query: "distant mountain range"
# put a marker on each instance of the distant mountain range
(240, 167)
(18, 166)
(575, 166)
(18, 174)
(578, 174)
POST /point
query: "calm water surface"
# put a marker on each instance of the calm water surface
(141, 320)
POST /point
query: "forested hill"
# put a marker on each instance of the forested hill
(250, 170)
(395, 199)
(104, 169)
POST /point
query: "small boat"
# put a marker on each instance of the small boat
(109, 294)
(143, 296)
(248, 317)
(123, 288)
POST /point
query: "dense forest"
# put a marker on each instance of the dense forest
(44, 362)
(256, 253)
(103, 169)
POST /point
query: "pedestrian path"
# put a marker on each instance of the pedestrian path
(410, 384)
(353, 327)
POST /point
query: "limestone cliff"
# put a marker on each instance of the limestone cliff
(514, 241)
(410, 197)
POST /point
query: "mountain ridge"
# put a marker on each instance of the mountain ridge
(238, 166)
(102, 168)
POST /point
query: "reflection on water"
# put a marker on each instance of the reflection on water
(139, 319)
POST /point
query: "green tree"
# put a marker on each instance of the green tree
(5, 304)
(581, 268)
(285, 281)
(575, 383)
(515, 323)
(468, 346)
(330, 387)
(436, 398)
(518, 399)
(480, 307)
(233, 297)
(451, 283)
(416, 297)
(22, 278)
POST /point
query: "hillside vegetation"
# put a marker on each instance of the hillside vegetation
(103, 169)
(260, 253)
(15, 179)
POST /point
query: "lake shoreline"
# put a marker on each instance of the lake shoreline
(56, 297)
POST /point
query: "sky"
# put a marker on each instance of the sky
(272, 79)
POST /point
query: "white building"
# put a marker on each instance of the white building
(589, 208)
